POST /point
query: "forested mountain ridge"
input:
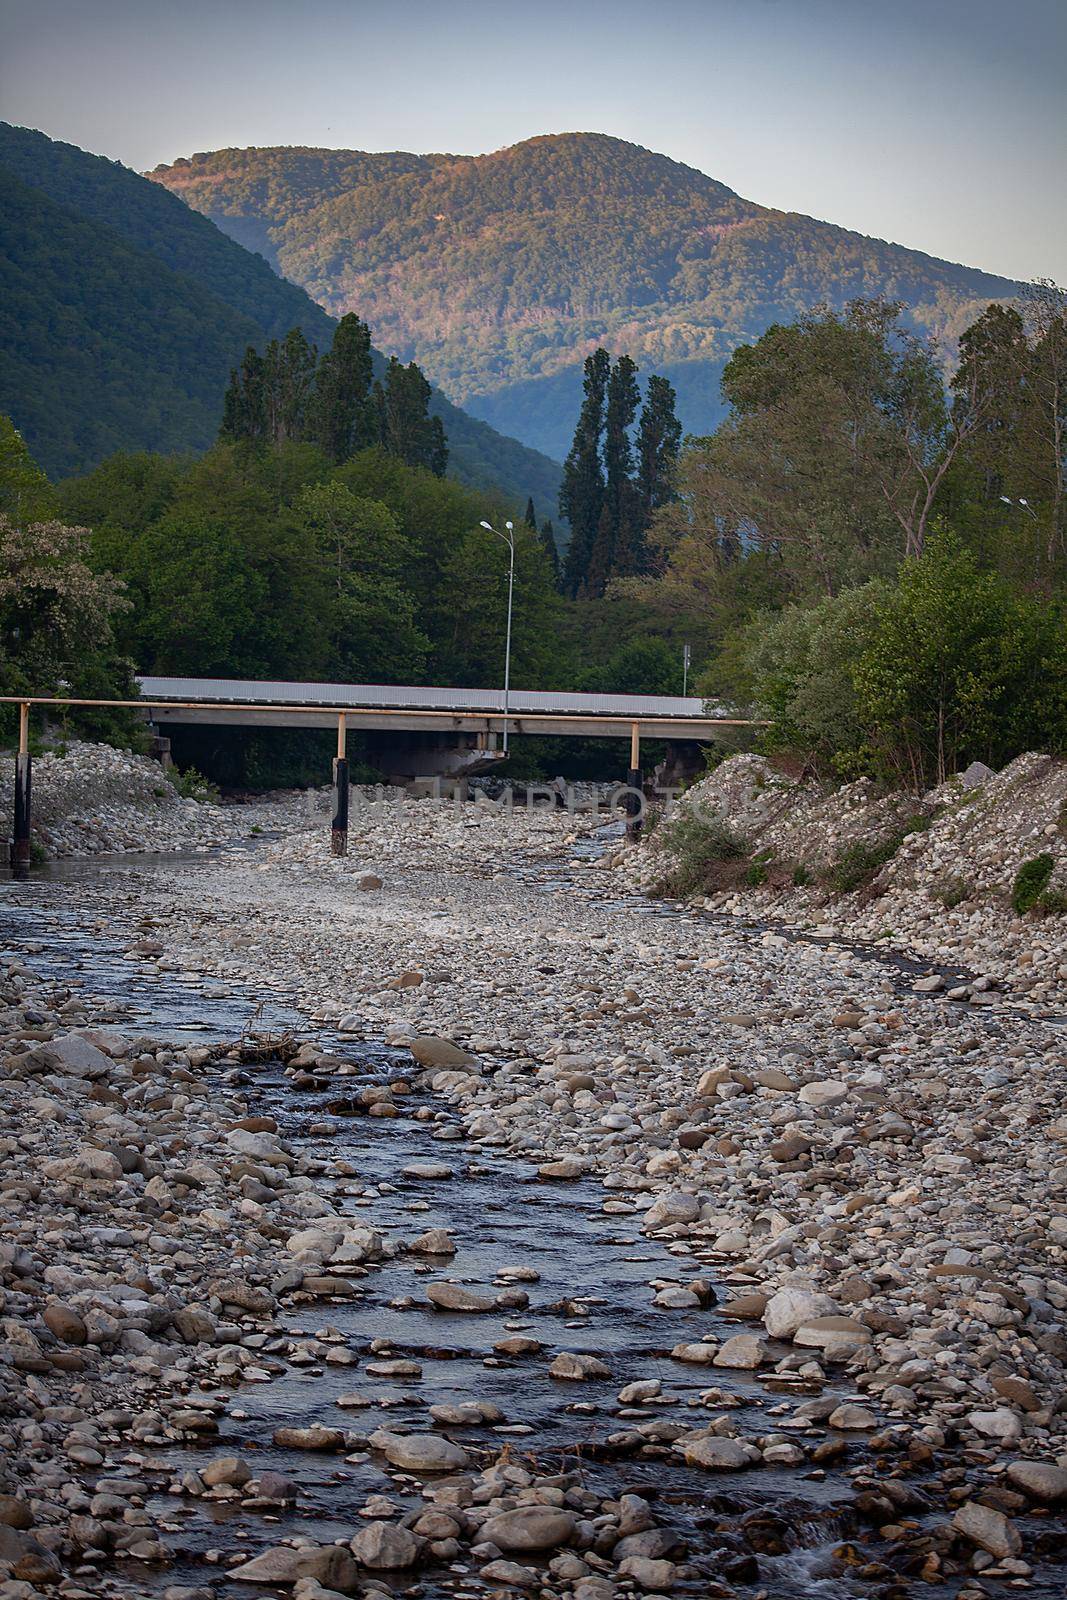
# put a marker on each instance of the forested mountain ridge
(122, 312)
(500, 273)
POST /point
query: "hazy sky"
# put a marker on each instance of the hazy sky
(940, 124)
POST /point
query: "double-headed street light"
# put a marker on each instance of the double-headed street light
(509, 540)
(1008, 501)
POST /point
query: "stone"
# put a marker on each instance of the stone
(999, 1423)
(368, 882)
(790, 1308)
(674, 1206)
(836, 1337)
(65, 1323)
(232, 1470)
(828, 1092)
(315, 1437)
(987, 1528)
(849, 1418)
(566, 1169)
(420, 1452)
(1040, 1480)
(745, 1351)
(570, 1364)
(435, 1242)
(529, 1529)
(510, 1575)
(647, 1574)
(454, 1297)
(384, 1548)
(717, 1455)
(430, 1051)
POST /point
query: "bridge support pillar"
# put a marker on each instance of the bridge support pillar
(634, 803)
(20, 834)
(339, 825)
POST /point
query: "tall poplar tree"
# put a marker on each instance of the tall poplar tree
(581, 495)
(619, 527)
(340, 420)
(405, 427)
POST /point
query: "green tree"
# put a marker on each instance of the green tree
(25, 493)
(368, 617)
(405, 427)
(340, 419)
(581, 496)
(618, 541)
(659, 439)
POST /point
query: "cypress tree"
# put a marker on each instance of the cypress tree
(530, 517)
(581, 494)
(547, 537)
(404, 426)
(659, 439)
(339, 419)
(618, 527)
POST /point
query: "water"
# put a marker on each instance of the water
(592, 1295)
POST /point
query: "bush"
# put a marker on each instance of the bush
(952, 892)
(1030, 883)
(701, 847)
(859, 863)
(910, 681)
(801, 875)
(192, 785)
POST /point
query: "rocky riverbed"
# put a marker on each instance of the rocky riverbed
(553, 1242)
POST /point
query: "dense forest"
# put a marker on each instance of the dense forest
(122, 312)
(500, 273)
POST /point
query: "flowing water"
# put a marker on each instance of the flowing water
(593, 1294)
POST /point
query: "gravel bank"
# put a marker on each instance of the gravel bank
(862, 1184)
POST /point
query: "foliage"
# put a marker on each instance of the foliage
(261, 562)
(499, 273)
(122, 312)
(960, 668)
(704, 852)
(859, 863)
(1030, 882)
(608, 506)
(911, 681)
(192, 785)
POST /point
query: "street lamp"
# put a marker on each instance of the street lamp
(509, 540)
(1027, 507)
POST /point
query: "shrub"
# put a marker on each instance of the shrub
(1030, 882)
(801, 875)
(700, 847)
(859, 863)
(952, 892)
(755, 874)
(192, 785)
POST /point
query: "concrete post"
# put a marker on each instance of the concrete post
(20, 837)
(633, 780)
(339, 825)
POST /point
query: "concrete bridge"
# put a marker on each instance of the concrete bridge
(427, 732)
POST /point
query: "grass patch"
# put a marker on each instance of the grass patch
(801, 875)
(952, 892)
(706, 854)
(1031, 880)
(858, 864)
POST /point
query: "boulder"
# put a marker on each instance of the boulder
(419, 1452)
(790, 1308)
(385, 1548)
(571, 1364)
(430, 1051)
(529, 1528)
(987, 1528)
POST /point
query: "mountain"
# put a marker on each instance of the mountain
(122, 311)
(500, 273)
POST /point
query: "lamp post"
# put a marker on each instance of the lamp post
(1025, 504)
(509, 540)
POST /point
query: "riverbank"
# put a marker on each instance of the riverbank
(859, 1186)
(933, 876)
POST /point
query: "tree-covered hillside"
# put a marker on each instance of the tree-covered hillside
(122, 312)
(500, 273)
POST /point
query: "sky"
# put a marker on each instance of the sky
(939, 124)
